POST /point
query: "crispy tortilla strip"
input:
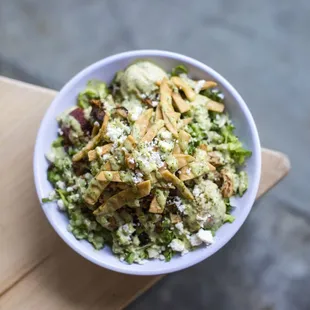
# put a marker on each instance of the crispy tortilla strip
(169, 177)
(185, 121)
(180, 104)
(130, 143)
(152, 131)
(93, 142)
(94, 190)
(184, 139)
(208, 84)
(203, 147)
(95, 129)
(141, 124)
(170, 119)
(122, 112)
(188, 91)
(183, 159)
(186, 173)
(215, 106)
(119, 200)
(92, 155)
(176, 149)
(159, 201)
(165, 96)
(228, 185)
(175, 218)
(158, 113)
(111, 176)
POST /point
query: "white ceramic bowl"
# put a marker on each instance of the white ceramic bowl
(105, 70)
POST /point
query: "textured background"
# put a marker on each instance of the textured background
(263, 48)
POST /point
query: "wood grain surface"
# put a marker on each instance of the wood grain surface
(37, 270)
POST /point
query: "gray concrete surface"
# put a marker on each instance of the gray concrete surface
(263, 48)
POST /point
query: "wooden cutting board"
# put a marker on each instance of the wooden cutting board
(37, 270)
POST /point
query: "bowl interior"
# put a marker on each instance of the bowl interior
(105, 70)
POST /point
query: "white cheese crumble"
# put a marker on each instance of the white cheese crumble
(60, 131)
(205, 236)
(135, 113)
(116, 130)
(202, 236)
(178, 202)
(199, 85)
(155, 103)
(177, 245)
(61, 184)
(180, 227)
(165, 134)
(61, 205)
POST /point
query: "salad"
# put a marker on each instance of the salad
(147, 164)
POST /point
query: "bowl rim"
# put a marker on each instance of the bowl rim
(169, 267)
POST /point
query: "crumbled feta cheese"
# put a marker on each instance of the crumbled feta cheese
(153, 253)
(117, 129)
(60, 131)
(180, 227)
(143, 96)
(194, 240)
(61, 205)
(135, 113)
(177, 245)
(131, 160)
(161, 257)
(70, 189)
(199, 85)
(106, 156)
(155, 103)
(137, 178)
(166, 146)
(178, 202)
(202, 236)
(60, 184)
(165, 134)
(188, 171)
(205, 236)
(96, 124)
(52, 195)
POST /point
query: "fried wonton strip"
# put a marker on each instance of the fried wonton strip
(141, 124)
(215, 106)
(152, 131)
(111, 176)
(130, 143)
(169, 177)
(93, 142)
(159, 201)
(158, 113)
(92, 155)
(183, 159)
(188, 91)
(184, 139)
(180, 104)
(94, 190)
(208, 84)
(119, 200)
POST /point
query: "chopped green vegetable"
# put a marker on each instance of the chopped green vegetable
(179, 70)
